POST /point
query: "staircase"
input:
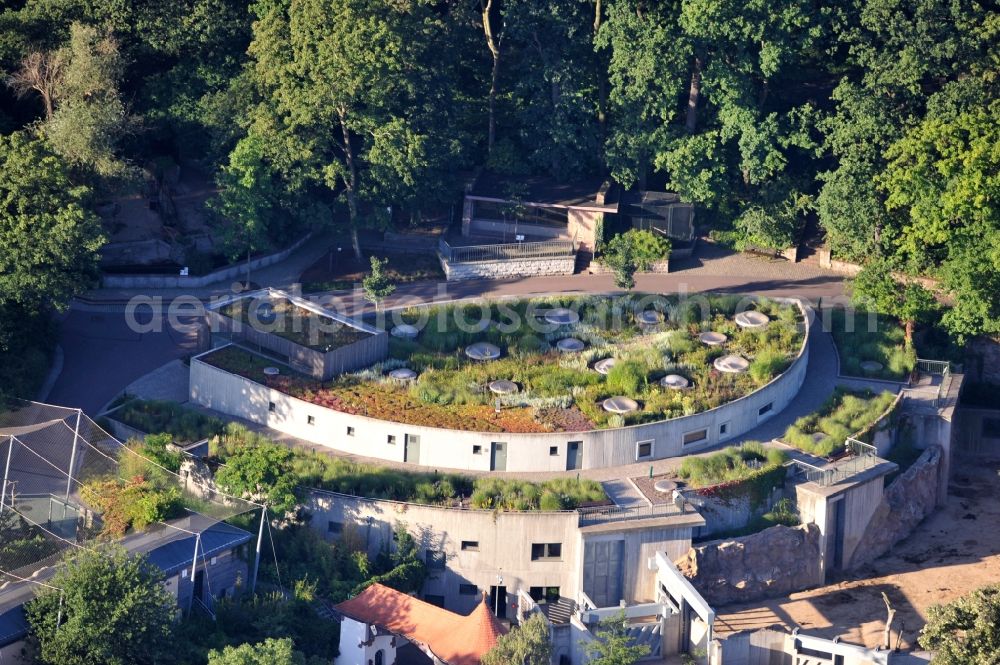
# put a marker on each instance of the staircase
(559, 611)
(583, 259)
(648, 634)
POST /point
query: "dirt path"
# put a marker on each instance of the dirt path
(951, 553)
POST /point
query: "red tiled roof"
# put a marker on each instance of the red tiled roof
(453, 638)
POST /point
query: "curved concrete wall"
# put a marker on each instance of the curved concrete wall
(456, 449)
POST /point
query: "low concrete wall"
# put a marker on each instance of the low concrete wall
(458, 272)
(827, 261)
(232, 272)
(774, 647)
(773, 562)
(910, 498)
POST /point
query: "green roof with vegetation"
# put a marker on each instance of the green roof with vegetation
(183, 424)
(845, 414)
(863, 337)
(557, 391)
(295, 323)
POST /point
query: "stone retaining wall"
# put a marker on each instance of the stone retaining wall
(905, 503)
(598, 268)
(773, 562)
(457, 272)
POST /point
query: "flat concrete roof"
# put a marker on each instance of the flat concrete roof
(678, 521)
(881, 468)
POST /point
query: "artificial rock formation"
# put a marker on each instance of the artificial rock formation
(774, 562)
(905, 503)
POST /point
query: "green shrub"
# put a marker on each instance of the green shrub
(156, 416)
(730, 464)
(768, 364)
(626, 378)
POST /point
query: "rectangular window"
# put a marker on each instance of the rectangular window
(470, 545)
(468, 589)
(434, 560)
(310, 420)
(695, 436)
(433, 599)
(271, 407)
(546, 551)
(477, 450)
(723, 429)
(350, 431)
(334, 527)
(644, 449)
(391, 439)
(553, 451)
(765, 409)
(544, 594)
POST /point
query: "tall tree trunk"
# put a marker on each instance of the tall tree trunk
(351, 187)
(493, 43)
(602, 84)
(694, 96)
(908, 327)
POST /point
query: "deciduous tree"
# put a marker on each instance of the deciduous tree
(528, 644)
(114, 609)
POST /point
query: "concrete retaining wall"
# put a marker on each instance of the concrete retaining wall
(457, 272)
(232, 272)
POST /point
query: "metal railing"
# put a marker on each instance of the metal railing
(932, 368)
(604, 515)
(507, 251)
(864, 456)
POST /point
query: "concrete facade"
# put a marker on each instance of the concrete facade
(234, 395)
(469, 551)
(978, 433)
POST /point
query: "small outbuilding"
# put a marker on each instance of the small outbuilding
(537, 208)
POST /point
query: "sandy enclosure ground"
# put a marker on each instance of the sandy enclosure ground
(952, 552)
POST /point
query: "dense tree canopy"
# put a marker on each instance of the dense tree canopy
(964, 631)
(877, 119)
(114, 608)
(48, 235)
